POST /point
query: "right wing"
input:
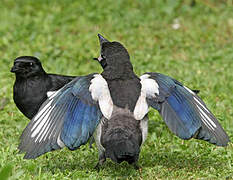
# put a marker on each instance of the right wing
(183, 111)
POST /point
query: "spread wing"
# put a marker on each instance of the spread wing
(68, 117)
(183, 111)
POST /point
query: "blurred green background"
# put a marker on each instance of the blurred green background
(192, 42)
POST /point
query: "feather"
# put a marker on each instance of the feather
(183, 111)
(67, 118)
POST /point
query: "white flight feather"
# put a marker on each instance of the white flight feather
(42, 130)
(42, 111)
(59, 142)
(40, 118)
(39, 128)
(206, 119)
(189, 90)
(201, 104)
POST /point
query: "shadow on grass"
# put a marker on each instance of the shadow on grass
(179, 160)
(84, 166)
(81, 163)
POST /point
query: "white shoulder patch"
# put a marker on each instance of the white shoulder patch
(100, 93)
(141, 108)
(149, 89)
(149, 86)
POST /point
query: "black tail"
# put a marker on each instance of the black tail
(122, 147)
(122, 139)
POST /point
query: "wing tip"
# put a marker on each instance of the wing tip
(30, 156)
(219, 138)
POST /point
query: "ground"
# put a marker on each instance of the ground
(193, 44)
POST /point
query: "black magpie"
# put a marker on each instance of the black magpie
(32, 84)
(114, 105)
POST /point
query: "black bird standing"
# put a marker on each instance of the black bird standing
(114, 105)
(32, 84)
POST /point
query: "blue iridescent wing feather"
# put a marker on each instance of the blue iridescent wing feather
(68, 118)
(185, 113)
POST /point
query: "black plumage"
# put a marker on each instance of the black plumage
(121, 137)
(119, 134)
(32, 84)
(114, 105)
(119, 74)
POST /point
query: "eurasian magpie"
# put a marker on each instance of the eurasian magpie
(32, 84)
(115, 105)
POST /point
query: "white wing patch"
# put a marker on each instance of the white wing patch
(100, 93)
(149, 89)
(149, 86)
(40, 120)
(206, 119)
(204, 112)
(42, 124)
(141, 108)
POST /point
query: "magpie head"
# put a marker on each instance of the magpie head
(112, 55)
(27, 66)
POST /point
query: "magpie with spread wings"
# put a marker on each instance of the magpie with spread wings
(114, 107)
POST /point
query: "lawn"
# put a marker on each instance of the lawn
(193, 44)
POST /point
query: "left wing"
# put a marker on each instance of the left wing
(183, 111)
(68, 117)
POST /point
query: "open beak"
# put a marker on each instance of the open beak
(98, 59)
(101, 40)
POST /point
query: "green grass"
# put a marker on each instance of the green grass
(63, 34)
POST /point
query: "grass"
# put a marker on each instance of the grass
(63, 34)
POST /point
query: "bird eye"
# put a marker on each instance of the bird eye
(31, 63)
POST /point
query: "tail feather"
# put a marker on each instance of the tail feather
(122, 138)
(120, 150)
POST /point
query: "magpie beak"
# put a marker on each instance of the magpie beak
(100, 59)
(14, 69)
(102, 39)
